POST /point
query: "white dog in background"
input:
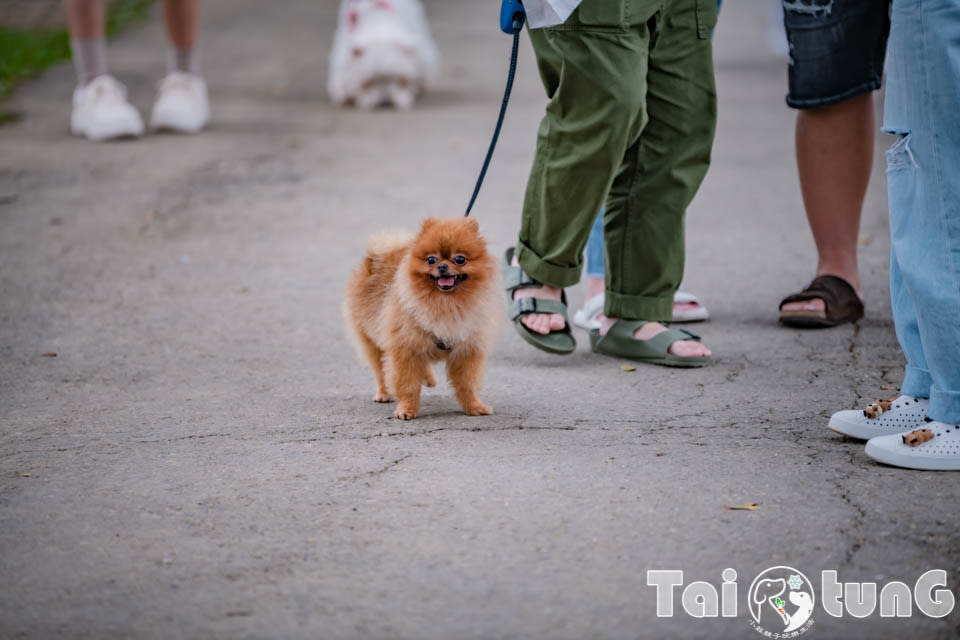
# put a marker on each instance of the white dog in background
(382, 54)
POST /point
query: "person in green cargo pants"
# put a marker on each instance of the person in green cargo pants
(629, 127)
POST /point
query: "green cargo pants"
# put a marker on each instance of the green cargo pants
(630, 123)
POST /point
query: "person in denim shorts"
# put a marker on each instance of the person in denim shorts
(837, 52)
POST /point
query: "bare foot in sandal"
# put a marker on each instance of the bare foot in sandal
(827, 301)
(852, 277)
(680, 348)
(540, 322)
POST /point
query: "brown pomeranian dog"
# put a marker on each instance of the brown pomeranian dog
(419, 299)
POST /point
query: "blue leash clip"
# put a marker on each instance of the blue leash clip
(509, 18)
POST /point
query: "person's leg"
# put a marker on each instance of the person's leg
(182, 20)
(594, 257)
(86, 21)
(924, 199)
(916, 379)
(593, 115)
(686, 306)
(100, 108)
(834, 159)
(644, 219)
(923, 89)
(835, 124)
(182, 103)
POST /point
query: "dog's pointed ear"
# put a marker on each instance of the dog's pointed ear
(427, 223)
(473, 224)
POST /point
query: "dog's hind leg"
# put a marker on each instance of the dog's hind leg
(374, 356)
(430, 379)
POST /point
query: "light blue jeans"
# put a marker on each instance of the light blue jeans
(923, 188)
(595, 248)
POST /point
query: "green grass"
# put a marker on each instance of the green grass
(25, 53)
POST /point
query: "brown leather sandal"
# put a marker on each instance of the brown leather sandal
(841, 304)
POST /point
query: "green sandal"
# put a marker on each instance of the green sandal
(560, 342)
(619, 341)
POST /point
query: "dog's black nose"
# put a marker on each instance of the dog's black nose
(442, 267)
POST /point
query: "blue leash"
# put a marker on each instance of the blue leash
(512, 17)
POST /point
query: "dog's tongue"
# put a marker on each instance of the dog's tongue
(446, 281)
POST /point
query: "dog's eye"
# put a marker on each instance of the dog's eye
(459, 260)
(431, 260)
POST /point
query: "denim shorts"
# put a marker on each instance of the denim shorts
(836, 49)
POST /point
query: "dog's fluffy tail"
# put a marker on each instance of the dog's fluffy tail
(386, 247)
(387, 241)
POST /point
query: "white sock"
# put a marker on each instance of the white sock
(89, 58)
(186, 60)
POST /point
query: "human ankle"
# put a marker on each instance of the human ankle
(595, 286)
(183, 60)
(89, 59)
(848, 272)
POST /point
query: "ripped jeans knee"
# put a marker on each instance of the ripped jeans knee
(899, 155)
(809, 7)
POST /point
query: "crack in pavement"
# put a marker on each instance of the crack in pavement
(194, 436)
(856, 528)
(425, 432)
(377, 472)
(855, 531)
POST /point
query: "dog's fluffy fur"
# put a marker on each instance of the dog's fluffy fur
(382, 54)
(420, 299)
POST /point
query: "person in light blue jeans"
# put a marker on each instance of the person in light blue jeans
(686, 306)
(923, 191)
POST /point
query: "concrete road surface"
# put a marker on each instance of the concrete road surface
(201, 459)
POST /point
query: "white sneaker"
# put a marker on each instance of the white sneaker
(888, 417)
(101, 111)
(934, 447)
(586, 318)
(698, 313)
(182, 103)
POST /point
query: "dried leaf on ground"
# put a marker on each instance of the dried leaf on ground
(747, 506)
(48, 354)
(627, 367)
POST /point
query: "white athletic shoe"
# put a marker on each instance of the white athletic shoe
(182, 104)
(586, 318)
(933, 447)
(101, 111)
(698, 313)
(888, 417)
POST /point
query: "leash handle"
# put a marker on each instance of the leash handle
(508, 16)
(512, 17)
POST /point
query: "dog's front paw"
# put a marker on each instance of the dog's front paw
(478, 409)
(402, 94)
(405, 413)
(382, 396)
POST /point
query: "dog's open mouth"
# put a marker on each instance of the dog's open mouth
(447, 283)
